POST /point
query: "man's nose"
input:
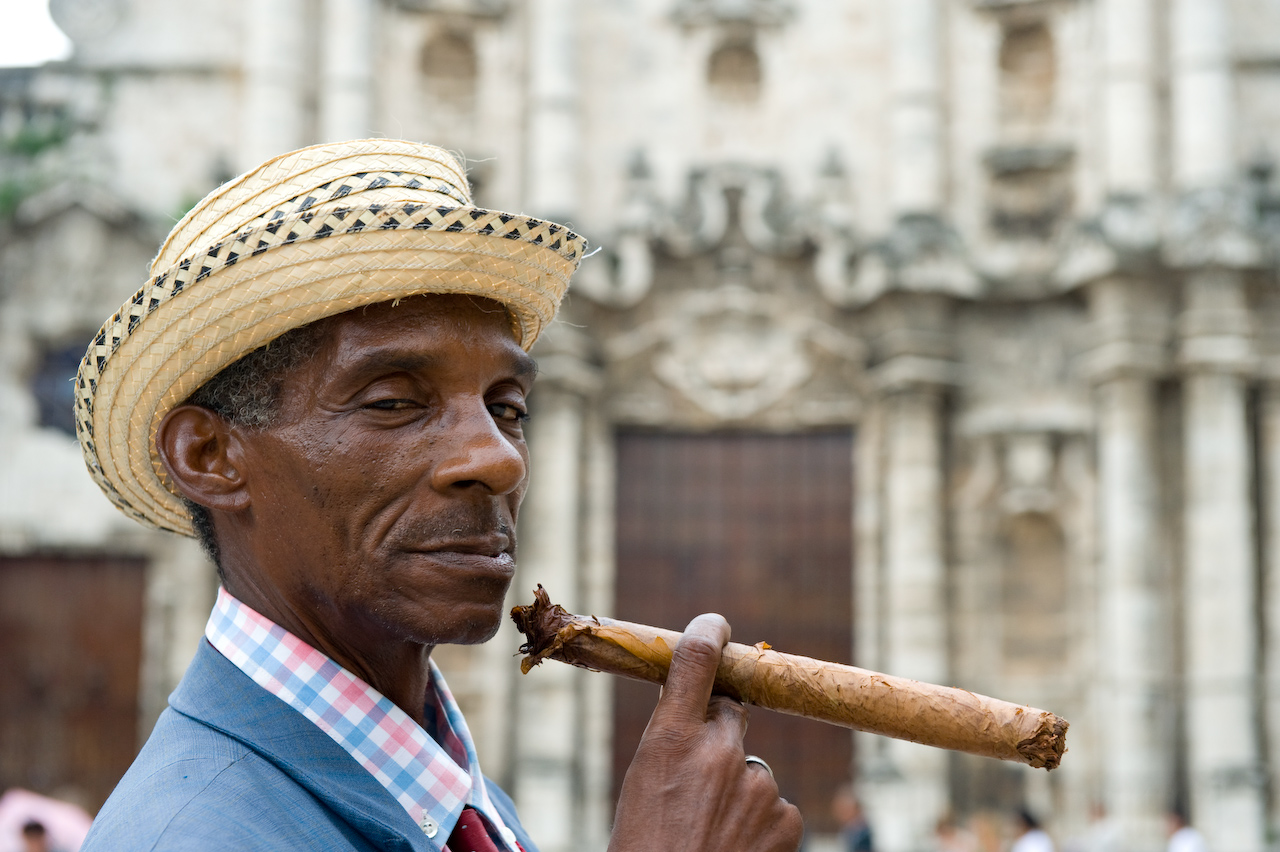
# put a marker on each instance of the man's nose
(477, 452)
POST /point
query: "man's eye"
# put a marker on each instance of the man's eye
(509, 412)
(391, 404)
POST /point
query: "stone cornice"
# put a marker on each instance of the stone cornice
(462, 8)
(1212, 228)
(565, 362)
(920, 254)
(1125, 358)
(904, 373)
(751, 13)
(1215, 331)
(1124, 237)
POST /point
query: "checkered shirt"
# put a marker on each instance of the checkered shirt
(426, 777)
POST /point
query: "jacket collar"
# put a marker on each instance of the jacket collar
(216, 693)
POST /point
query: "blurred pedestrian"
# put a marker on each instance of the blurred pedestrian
(988, 831)
(950, 836)
(855, 831)
(1031, 837)
(1182, 837)
(1102, 835)
(35, 837)
(30, 821)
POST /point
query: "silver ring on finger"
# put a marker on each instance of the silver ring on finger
(751, 758)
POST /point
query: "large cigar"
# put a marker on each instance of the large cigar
(940, 716)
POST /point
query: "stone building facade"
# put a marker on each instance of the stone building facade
(1023, 253)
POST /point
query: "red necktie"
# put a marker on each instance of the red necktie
(470, 835)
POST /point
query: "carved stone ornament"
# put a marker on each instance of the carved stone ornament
(732, 351)
(1212, 228)
(922, 254)
(717, 199)
(1125, 237)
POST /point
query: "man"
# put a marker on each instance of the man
(1182, 837)
(855, 831)
(326, 380)
(1030, 836)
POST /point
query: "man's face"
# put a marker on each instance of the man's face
(384, 495)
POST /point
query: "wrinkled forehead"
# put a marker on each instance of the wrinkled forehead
(418, 323)
(458, 310)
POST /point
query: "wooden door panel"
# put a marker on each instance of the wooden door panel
(757, 527)
(70, 654)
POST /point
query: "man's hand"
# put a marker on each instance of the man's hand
(689, 786)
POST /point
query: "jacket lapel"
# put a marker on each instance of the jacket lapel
(218, 694)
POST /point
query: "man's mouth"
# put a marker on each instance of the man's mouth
(482, 556)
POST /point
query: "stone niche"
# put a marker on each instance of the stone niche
(1029, 170)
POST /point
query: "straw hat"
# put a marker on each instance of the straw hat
(312, 233)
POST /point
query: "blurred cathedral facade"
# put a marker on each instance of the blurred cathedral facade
(935, 336)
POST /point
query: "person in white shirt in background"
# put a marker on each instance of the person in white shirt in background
(1031, 837)
(1102, 835)
(1182, 837)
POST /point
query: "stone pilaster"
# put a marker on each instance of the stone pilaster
(598, 571)
(346, 94)
(547, 764)
(180, 590)
(1210, 241)
(1221, 629)
(905, 785)
(915, 55)
(555, 123)
(1203, 94)
(275, 119)
(1269, 473)
(1134, 659)
(1129, 44)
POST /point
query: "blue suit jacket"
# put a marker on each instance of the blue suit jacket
(229, 767)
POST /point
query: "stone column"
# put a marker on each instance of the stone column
(1221, 629)
(546, 764)
(274, 117)
(916, 112)
(1203, 95)
(909, 791)
(554, 127)
(181, 586)
(599, 569)
(1129, 42)
(346, 96)
(1135, 663)
(1211, 243)
(1269, 473)
(550, 715)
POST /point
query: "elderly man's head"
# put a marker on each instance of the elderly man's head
(370, 484)
(313, 234)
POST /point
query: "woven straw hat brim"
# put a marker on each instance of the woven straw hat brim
(277, 272)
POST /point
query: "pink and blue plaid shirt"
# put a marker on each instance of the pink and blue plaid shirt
(426, 777)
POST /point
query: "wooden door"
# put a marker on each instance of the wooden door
(758, 528)
(70, 653)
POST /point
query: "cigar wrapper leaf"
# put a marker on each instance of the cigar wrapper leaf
(939, 716)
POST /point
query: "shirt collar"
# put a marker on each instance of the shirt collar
(432, 780)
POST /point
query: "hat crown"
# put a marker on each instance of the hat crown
(364, 172)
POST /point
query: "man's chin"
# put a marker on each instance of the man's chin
(470, 631)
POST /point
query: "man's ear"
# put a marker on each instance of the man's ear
(203, 457)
